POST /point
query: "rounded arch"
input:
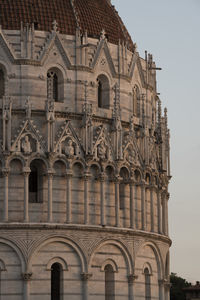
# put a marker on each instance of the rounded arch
(16, 157)
(148, 267)
(138, 175)
(109, 262)
(103, 91)
(158, 257)
(123, 249)
(57, 238)
(18, 251)
(60, 159)
(44, 160)
(124, 172)
(58, 260)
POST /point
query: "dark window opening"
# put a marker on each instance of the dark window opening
(36, 25)
(56, 281)
(147, 284)
(109, 283)
(33, 185)
(103, 92)
(99, 94)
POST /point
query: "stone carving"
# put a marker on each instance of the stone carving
(101, 151)
(131, 155)
(26, 145)
(102, 145)
(69, 148)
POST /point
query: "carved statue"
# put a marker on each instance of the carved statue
(101, 151)
(131, 156)
(26, 146)
(69, 149)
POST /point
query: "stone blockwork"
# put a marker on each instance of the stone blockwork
(85, 167)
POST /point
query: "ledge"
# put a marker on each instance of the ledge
(83, 227)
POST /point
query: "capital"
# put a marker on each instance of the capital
(85, 276)
(5, 172)
(26, 276)
(132, 278)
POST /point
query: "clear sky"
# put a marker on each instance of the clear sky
(170, 30)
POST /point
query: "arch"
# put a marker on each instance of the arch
(17, 250)
(109, 262)
(148, 178)
(103, 91)
(55, 84)
(109, 282)
(137, 175)
(57, 238)
(147, 275)
(56, 281)
(123, 249)
(16, 157)
(59, 260)
(158, 257)
(148, 267)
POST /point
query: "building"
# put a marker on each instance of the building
(84, 155)
(192, 292)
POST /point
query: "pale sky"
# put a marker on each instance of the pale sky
(169, 29)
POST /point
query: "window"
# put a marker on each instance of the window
(109, 283)
(103, 91)
(2, 84)
(147, 284)
(36, 181)
(56, 279)
(55, 85)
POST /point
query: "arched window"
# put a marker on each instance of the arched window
(147, 284)
(56, 281)
(109, 283)
(103, 92)
(2, 84)
(55, 85)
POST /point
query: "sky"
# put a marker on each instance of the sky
(169, 29)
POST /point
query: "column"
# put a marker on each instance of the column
(26, 172)
(166, 213)
(152, 208)
(50, 182)
(163, 200)
(136, 207)
(117, 202)
(86, 200)
(132, 205)
(85, 277)
(159, 211)
(131, 279)
(161, 289)
(26, 277)
(103, 222)
(5, 174)
(143, 199)
(68, 197)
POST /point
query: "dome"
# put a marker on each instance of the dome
(88, 15)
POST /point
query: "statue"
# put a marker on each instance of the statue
(69, 149)
(101, 151)
(26, 146)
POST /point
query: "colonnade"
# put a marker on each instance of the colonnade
(161, 201)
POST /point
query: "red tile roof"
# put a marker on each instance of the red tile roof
(90, 15)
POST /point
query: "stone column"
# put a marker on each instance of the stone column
(50, 204)
(163, 200)
(5, 173)
(159, 211)
(167, 289)
(117, 202)
(86, 199)
(143, 200)
(26, 277)
(131, 279)
(166, 216)
(26, 172)
(152, 208)
(102, 179)
(68, 197)
(161, 289)
(85, 277)
(136, 207)
(132, 204)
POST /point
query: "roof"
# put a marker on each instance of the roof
(89, 15)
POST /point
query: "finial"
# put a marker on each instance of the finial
(103, 34)
(55, 26)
